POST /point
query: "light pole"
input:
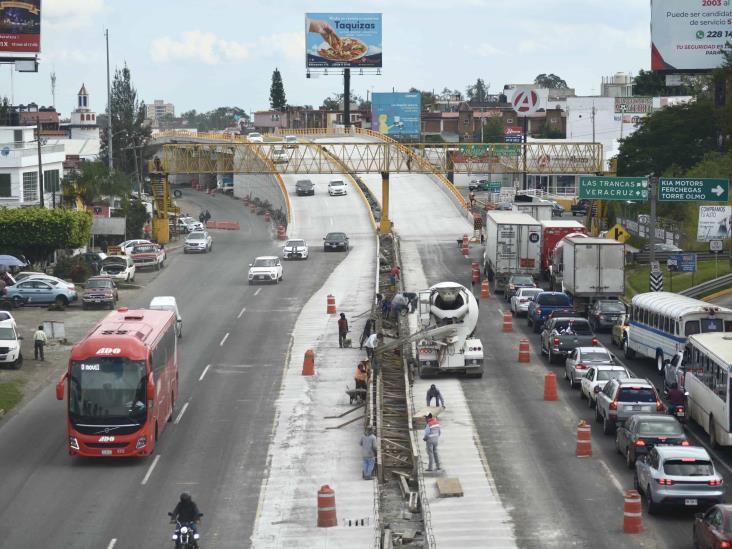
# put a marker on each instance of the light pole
(40, 164)
(110, 148)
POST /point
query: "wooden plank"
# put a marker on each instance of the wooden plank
(346, 412)
(449, 488)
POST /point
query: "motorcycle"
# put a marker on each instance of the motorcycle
(678, 410)
(185, 536)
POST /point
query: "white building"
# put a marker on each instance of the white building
(19, 185)
(83, 132)
(158, 109)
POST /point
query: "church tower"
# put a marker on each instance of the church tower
(83, 120)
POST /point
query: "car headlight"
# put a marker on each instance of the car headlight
(141, 442)
(272, 275)
(74, 443)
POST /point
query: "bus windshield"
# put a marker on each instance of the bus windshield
(108, 390)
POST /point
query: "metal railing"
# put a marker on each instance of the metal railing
(711, 286)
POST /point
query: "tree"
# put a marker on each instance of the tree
(492, 130)
(551, 81)
(649, 83)
(477, 93)
(335, 102)
(93, 182)
(277, 100)
(428, 98)
(135, 215)
(217, 119)
(129, 130)
(450, 95)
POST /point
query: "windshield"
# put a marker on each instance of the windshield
(612, 307)
(636, 394)
(335, 236)
(304, 183)
(526, 280)
(605, 375)
(98, 283)
(554, 300)
(196, 236)
(293, 243)
(336, 183)
(660, 428)
(7, 334)
(691, 468)
(530, 292)
(255, 134)
(108, 389)
(596, 355)
(264, 263)
(143, 249)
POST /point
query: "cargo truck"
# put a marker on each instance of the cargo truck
(512, 246)
(551, 233)
(541, 211)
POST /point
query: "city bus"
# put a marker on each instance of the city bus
(123, 383)
(661, 323)
(709, 360)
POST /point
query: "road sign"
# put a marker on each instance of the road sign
(618, 232)
(525, 102)
(655, 267)
(655, 282)
(613, 188)
(682, 263)
(680, 189)
(513, 139)
(715, 246)
(494, 186)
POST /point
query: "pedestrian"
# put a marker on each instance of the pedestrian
(409, 163)
(202, 217)
(39, 340)
(368, 327)
(434, 392)
(342, 330)
(471, 196)
(207, 216)
(362, 374)
(368, 453)
(371, 343)
(431, 438)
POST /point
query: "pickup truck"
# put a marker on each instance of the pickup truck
(562, 335)
(580, 208)
(541, 306)
(148, 255)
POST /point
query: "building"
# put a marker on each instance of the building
(300, 117)
(83, 120)
(619, 85)
(158, 110)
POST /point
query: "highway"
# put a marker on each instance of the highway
(232, 353)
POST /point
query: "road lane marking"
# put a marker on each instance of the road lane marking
(241, 313)
(204, 372)
(223, 339)
(258, 290)
(612, 476)
(180, 415)
(150, 470)
(112, 543)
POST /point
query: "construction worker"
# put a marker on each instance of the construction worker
(368, 453)
(371, 343)
(398, 303)
(367, 329)
(362, 374)
(434, 392)
(471, 196)
(395, 275)
(342, 330)
(431, 438)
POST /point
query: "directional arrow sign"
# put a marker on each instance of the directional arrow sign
(677, 189)
(613, 188)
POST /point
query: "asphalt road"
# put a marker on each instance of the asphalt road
(232, 353)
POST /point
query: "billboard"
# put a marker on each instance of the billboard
(342, 40)
(714, 223)
(633, 105)
(397, 113)
(20, 26)
(689, 36)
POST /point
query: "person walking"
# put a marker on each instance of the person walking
(431, 438)
(366, 332)
(368, 453)
(434, 392)
(39, 341)
(342, 330)
(395, 275)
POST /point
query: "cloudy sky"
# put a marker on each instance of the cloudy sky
(202, 54)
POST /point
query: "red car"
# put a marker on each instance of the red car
(714, 528)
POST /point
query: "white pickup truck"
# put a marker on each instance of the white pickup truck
(148, 256)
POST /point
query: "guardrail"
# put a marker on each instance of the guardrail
(644, 256)
(711, 286)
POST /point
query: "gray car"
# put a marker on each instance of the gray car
(581, 359)
(621, 399)
(198, 242)
(605, 313)
(678, 475)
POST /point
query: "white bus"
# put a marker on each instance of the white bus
(661, 323)
(707, 384)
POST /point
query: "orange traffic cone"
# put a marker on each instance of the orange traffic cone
(523, 355)
(507, 322)
(632, 515)
(584, 444)
(308, 364)
(550, 386)
(485, 290)
(331, 307)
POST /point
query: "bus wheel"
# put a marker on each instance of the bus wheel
(659, 362)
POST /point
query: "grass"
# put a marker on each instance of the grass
(636, 277)
(10, 394)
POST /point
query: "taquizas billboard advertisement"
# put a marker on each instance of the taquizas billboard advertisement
(348, 40)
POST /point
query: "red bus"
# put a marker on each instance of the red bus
(123, 383)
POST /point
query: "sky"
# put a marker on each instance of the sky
(203, 54)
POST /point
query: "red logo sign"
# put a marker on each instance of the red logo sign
(525, 102)
(513, 130)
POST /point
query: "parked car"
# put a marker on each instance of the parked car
(148, 255)
(304, 187)
(680, 476)
(119, 267)
(40, 292)
(479, 185)
(605, 312)
(99, 290)
(562, 335)
(198, 242)
(337, 187)
(295, 249)
(168, 303)
(619, 331)
(335, 241)
(521, 299)
(10, 351)
(48, 278)
(641, 433)
(581, 359)
(542, 305)
(515, 282)
(94, 260)
(598, 376)
(5, 315)
(127, 245)
(714, 528)
(290, 141)
(266, 269)
(255, 137)
(621, 399)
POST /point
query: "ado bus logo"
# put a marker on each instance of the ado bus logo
(109, 351)
(106, 439)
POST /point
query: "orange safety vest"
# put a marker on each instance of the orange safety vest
(361, 375)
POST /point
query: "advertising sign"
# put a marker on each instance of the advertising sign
(714, 223)
(681, 263)
(20, 26)
(397, 113)
(689, 35)
(525, 102)
(613, 188)
(633, 105)
(677, 189)
(343, 40)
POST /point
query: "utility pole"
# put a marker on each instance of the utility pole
(526, 134)
(652, 185)
(593, 121)
(53, 89)
(347, 99)
(40, 163)
(110, 149)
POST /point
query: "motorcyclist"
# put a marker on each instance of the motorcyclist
(186, 512)
(675, 398)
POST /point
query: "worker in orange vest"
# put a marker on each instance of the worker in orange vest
(362, 374)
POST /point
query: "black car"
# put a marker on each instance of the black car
(605, 313)
(304, 187)
(580, 208)
(335, 241)
(515, 282)
(642, 432)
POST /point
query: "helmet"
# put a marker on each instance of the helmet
(185, 496)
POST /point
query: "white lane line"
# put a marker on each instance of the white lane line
(112, 543)
(612, 476)
(180, 415)
(241, 313)
(258, 290)
(204, 372)
(223, 340)
(150, 470)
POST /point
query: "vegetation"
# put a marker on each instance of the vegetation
(277, 99)
(217, 119)
(93, 182)
(477, 93)
(11, 393)
(636, 277)
(73, 268)
(649, 83)
(550, 81)
(136, 216)
(492, 130)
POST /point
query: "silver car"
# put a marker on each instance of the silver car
(622, 398)
(678, 475)
(598, 376)
(520, 300)
(198, 242)
(581, 358)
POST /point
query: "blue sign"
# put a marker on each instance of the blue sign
(682, 263)
(343, 40)
(513, 139)
(397, 114)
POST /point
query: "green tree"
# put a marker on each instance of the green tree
(277, 100)
(649, 83)
(551, 81)
(477, 93)
(128, 123)
(428, 98)
(93, 182)
(217, 119)
(135, 215)
(493, 130)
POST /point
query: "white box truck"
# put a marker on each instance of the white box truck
(512, 246)
(541, 211)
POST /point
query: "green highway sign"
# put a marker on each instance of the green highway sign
(613, 188)
(494, 185)
(689, 189)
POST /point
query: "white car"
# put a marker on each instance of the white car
(521, 299)
(266, 268)
(598, 376)
(6, 316)
(198, 241)
(580, 359)
(295, 249)
(290, 141)
(119, 267)
(52, 280)
(279, 155)
(168, 303)
(255, 137)
(337, 187)
(127, 245)
(10, 352)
